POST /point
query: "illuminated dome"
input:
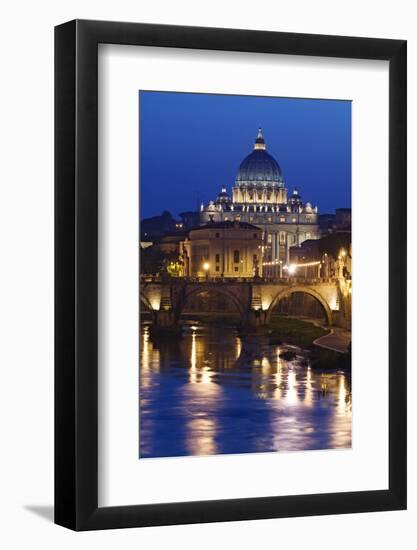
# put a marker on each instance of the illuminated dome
(295, 201)
(223, 196)
(260, 168)
(296, 198)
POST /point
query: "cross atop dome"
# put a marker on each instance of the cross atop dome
(260, 142)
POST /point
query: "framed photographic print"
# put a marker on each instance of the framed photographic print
(230, 275)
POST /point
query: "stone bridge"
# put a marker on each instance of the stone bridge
(254, 299)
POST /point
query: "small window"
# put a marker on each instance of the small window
(269, 238)
(217, 268)
(255, 235)
(236, 256)
(236, 268)
(217, 235)
(217, 258)
(282, 220)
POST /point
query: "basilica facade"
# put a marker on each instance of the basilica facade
(260, 197)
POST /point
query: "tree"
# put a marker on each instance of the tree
(153, 261)
(334, 243)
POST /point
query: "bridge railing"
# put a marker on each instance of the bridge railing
(233, 280)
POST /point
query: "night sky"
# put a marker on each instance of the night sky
(192, 144)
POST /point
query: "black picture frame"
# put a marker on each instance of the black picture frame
(76, 272)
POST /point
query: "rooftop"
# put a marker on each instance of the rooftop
(226, 225)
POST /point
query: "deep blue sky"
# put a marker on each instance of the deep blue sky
(192, 144)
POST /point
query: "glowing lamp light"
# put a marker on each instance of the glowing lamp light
(156, 304)
(292, 268)
(206, 266)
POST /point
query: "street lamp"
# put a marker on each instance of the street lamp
(292, 269)
(206, 267)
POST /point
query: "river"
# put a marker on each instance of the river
(211, 392)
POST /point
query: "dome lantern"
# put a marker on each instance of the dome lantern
(260, 142)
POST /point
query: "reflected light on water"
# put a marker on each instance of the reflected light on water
(206, 376)
(198, 374)
(238, 342)
(145, 350)
(278, 382)
(193, 358)
(291, 397)
(266, 365)
(308, 396)
(200, 397)
(200, 438)
(150, 360)
(342, 393)
(278, 375)
(210, 393)
(342, 435)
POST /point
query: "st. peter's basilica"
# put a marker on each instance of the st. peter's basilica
(260, 197)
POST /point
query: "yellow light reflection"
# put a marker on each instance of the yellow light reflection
(238, 342)
(201, 428)
(198, 374)
(291, 397)
(201, 436)
(342, 427)
(278, 382)
(149, 360)
(341, 396)
(206, 376)
(145, 350)
(193, 358)
(308, 396)
(266, 365)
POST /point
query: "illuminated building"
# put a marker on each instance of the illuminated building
(260, 197)
(223, 249)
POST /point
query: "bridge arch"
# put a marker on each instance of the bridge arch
(307, 290)
(186, 295)
(146, 302)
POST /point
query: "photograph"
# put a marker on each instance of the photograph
(203, 341)
(245, 274)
